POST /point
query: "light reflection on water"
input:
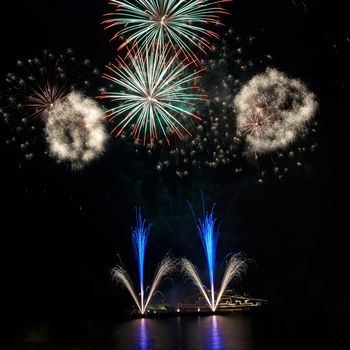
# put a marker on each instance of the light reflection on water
(202, 333)
(244, 331)
(178, 333)
(143, 335)
(216, 341)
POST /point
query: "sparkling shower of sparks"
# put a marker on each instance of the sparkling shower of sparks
(164, 268)
(121, 276)
(159, 95)
(191, 272)
(208, 231)
(139, 240)
(180, 23)
(235, 266)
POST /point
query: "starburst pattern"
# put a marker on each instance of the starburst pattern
(158, 98)
(178, 22)
(258, 122)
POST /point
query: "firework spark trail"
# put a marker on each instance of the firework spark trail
(74, 130)
(235, 266)
(165, 268)
(272, 111)
(180, 23)
(209, 234)
(191, 272)
(120, 275)
(159, 95)
(139, 240)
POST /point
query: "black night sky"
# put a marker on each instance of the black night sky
(62, 230)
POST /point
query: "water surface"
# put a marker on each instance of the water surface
(241, 331)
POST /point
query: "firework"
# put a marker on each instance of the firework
(208, 231)
(41, 82)
(272, 111)
(166, 266)
(121, 276)
(139, 239)
(215, 144)
(191, 271)
(181, 24)
(74, 130)
(234, 268)
(31, 92)
(159, 95)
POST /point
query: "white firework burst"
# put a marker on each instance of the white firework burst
(272, 111)
(75, 132)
